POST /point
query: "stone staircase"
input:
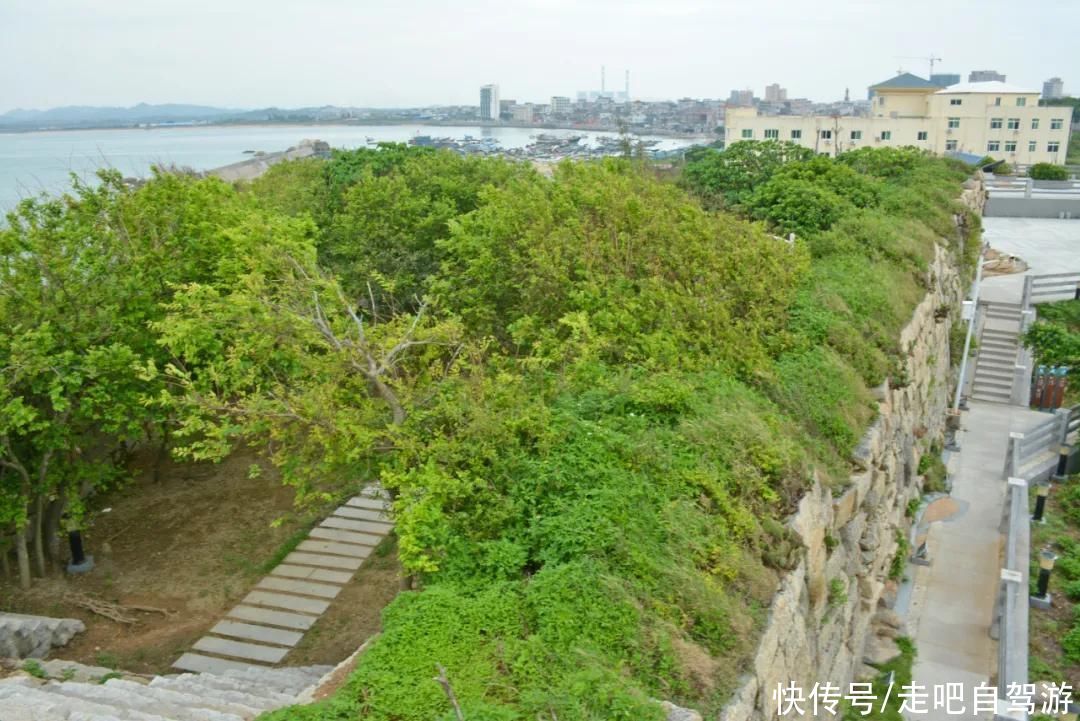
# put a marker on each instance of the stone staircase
(74, 692)
(999, 342)
(261, 630)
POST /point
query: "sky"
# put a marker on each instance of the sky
(376, 53)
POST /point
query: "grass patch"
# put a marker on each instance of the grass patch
(898, 672)
(899, 561)
(1054, 640)
(933, 470)
(838, 592)
(34, 668)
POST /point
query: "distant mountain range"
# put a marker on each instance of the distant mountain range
(80, 116)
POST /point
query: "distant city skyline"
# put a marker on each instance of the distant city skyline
(258, 53)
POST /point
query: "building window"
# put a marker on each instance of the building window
(826, 135)
(796, 135)
(886, 135)
(995, 123)
(881, 100)
(955, 101)
(748, 132)
(856, 135)
(997, 101)
(1014, 123)
(954, 122)
(1056, 123)
(1032, 145)
(1021, 102)
(772, 134)
(1034, 123)
(923, 135)
(1053, 146)
(1010, 146)
(993, 146)
(950, 144)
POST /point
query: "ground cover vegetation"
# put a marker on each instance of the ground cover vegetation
(1055, 633)
(594, 396)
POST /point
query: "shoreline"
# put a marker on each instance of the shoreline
(362, 123)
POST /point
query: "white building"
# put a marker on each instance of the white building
(986, 118)
(560, 105)
(489, 102)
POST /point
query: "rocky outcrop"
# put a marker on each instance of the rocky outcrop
(826, 622)
(34, 636)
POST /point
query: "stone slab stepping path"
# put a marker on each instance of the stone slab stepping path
(262, 629)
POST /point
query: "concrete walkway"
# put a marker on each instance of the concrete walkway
(274, 616)
(953, 601)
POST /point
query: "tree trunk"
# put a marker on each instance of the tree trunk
(39, 535)
(24, 559)
(162, 451)
(53, 514)
(5, 562)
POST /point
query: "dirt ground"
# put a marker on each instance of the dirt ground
(193, 544)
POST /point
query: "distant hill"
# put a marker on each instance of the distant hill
(88, 116)
(81, 116)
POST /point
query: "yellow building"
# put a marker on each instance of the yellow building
(986, 118)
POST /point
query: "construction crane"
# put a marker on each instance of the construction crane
(931, 59)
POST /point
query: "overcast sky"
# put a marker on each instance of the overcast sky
(255, 53)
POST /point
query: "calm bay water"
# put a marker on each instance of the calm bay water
(32, 163)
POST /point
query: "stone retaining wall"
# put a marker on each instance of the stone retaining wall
(851, 533)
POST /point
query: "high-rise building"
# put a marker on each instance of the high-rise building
(741, 97)
(1053, 88)
(775, 94)
(944, 80)
(489, 102)
(985, 76)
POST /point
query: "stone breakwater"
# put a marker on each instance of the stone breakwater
(815, 633)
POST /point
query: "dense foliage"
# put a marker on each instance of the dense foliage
(594, 397)
(1055, 336)
(1048, 171)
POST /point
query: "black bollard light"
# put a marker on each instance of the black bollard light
(78, 556)
(1041, 492)
(1046, 565)
(1063, 462)
(80, 562)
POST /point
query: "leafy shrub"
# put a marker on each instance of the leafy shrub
(1048, 171)
(796, 205)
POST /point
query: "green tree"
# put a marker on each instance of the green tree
(69, 398)
(729, 176)
(275, 353)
